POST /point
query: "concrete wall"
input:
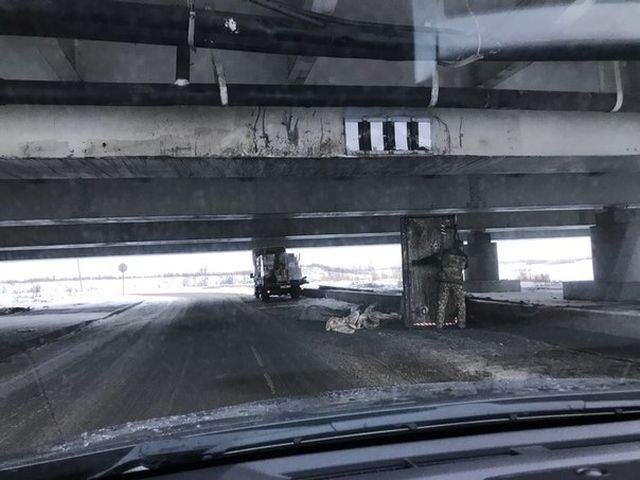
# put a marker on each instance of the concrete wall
(77, 132)
(122, 62)
(559, 76)
(34, 59)
(239, 67)
(353, 71)
(601, 291)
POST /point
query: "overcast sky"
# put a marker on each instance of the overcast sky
(563, 259)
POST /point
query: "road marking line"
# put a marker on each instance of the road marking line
(267, 377)
(270, 384)
(257, 356)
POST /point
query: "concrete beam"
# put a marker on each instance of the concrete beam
(264, 167)
(506, 223)
(234, 244)
(191, 247)
(518, 234)
(67, 133)
(93, 235)
(502, 226)
(26, 240)
(189, 198)
(494, 222)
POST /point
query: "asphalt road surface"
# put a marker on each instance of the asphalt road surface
(180, 354)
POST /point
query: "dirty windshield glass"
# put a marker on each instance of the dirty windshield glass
(225, 214)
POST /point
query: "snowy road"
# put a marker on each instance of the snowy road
(180, 354)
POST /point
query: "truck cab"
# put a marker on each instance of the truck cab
(276, 272)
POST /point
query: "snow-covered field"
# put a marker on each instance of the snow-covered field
(41, 293)
(35, 294)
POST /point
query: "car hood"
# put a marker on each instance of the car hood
(330, 406)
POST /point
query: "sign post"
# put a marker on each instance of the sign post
(123, 268)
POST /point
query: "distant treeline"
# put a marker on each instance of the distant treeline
(351, 270)
(118, 277)
(203, 272)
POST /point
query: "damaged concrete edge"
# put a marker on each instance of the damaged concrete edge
(384, 302)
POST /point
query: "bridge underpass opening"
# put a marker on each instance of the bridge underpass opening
(539, 263)
(28, 282)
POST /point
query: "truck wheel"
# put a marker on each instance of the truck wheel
(264, 296)
(295, 293)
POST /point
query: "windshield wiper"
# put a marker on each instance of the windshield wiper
(172, 452)
(194, 449)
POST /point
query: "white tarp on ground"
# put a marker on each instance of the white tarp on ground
(357, 320)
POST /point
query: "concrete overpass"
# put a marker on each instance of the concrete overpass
(102, 152)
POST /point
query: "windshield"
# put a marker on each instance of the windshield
(222, 214)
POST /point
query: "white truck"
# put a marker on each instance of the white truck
(276, 272)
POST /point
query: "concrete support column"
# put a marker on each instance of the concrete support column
(423, 239)
(482, 274)
(615, 249)
(483, 258)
